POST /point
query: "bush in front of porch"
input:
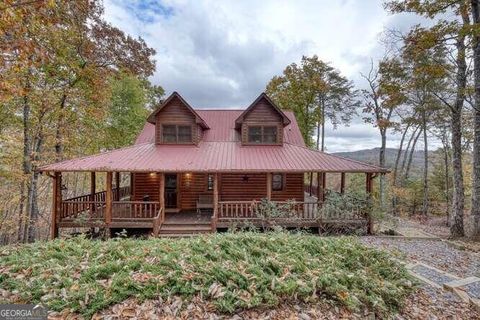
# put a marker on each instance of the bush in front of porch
(232, 271)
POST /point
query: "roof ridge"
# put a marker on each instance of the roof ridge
(340, 157)
(214, 109)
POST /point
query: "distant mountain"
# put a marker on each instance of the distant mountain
(371, 156)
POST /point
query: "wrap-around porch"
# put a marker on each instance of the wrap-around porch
(194, 202)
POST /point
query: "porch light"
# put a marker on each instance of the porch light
(188, 175)
(153, 174)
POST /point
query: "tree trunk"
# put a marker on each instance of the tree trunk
(58, 131)
(33, 200)
(410, 156)
(383, 133)
(323, 127)
(407, 152)
(425, 164)
(399, 154)
(21, 216)
(318, 145)
(446, 151)
(476, 142)
(26, 161)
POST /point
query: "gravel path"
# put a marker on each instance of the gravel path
(432, 252)
(431, 302)
(473, 289)
(432, 275)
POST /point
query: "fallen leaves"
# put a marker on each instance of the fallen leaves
(211, 275)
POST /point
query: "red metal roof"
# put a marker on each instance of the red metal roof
(219, 151)
(214, 156)
(222, 127)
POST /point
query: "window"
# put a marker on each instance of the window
(209, 182)
(169, 133)
(176, 134)
(184, 134)
(277, 182)
(262, 134)
(255, 134)
(270, 134)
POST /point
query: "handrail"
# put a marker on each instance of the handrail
(100, 196)
(158, 221)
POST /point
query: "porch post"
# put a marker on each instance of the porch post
(93, 189)
(324, 185)
(117, 186)
(56, 204)
(269, 186)
(215, 201)
(161, 190)
(108, 202)
(342, 183)
(368, 189)
(321, 186)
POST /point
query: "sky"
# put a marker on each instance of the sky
(222, 54)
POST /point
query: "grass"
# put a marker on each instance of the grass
(234, 271)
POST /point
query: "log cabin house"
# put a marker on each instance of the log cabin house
(196, 170)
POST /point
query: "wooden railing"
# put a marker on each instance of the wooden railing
(72, 207)
(293, 210)
(135, 209)
(158, 221)
(255, 210)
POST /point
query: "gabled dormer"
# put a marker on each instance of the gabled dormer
(176, 122)
(262, 123)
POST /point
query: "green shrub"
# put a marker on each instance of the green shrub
(234, 271)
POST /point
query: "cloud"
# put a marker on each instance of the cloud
(223, 53)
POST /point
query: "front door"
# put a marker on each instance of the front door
(170, 190)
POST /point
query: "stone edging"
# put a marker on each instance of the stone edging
(453, 286)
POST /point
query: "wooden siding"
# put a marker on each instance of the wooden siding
(145, 184)
(176, 113)
(292, 189)
(191, 186)
(232, 187)
(262, 114)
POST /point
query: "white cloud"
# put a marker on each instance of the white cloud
(223, 53)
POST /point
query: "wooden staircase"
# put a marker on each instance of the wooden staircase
(184, 229)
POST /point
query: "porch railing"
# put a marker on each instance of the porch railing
(72, 208)
(254, 210)
(293, 210)
(135, 209)
(94, 205)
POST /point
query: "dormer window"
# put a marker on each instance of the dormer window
(176, 133)
(262, 134)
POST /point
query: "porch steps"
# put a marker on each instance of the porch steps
(176, 230)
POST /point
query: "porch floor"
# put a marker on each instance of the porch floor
(121, 219)
(188, 217)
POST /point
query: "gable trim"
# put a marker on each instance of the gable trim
(152, 117)
(239, 120)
